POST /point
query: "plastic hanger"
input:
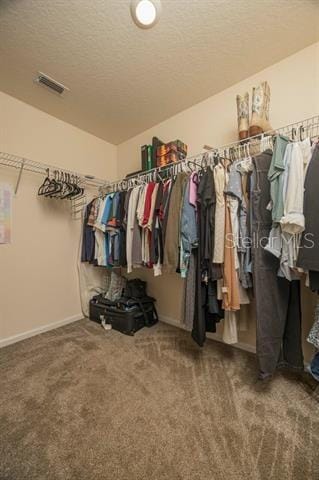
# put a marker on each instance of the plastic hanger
(45, 183)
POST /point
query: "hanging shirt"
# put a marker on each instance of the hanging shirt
(88, 238)
(131, 216)
(275, 177)
(107, 209)
(93, 212)
(148, 202)
(220, 176)
(113, 214)
(141, 204)
(193, 186)
(293, 220)
(231, 299)
(172, 235)
(188, 228)
(147, 227)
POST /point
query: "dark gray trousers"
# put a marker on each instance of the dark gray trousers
(278, 311)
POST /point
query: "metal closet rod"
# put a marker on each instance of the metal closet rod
(307, 124)
(311, 123)
(25, 164)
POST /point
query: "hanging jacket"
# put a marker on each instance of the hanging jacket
(207, 308)
(172, 240)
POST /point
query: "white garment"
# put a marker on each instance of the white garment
(131, 215)
(100, 253)
(101, 206)
(141, 205)
(293, 220)
(230, 332)
(274, 244)
(220, 182)
(91, 280)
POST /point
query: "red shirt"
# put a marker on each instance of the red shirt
(148, 202)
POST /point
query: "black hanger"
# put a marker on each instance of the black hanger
(52, 187)
(70, 189)
(189, 163)
(45, 183)
(56, 186)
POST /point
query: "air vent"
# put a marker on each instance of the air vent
(48, 82)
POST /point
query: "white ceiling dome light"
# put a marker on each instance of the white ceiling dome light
(146, 13)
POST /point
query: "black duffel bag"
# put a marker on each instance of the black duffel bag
(135, 288)
(127, 315)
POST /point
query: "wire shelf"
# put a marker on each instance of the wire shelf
(25, 164)
(308, 127)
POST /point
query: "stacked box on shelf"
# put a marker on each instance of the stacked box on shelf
(170, 152)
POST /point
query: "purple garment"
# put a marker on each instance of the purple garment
(193, 185)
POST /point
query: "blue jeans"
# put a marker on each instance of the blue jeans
(314, 367)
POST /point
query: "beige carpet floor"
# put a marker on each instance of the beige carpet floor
(81, 403)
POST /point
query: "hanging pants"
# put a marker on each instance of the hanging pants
(278, 310)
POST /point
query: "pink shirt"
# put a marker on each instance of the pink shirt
(193, 184)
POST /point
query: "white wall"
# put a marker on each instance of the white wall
(38, 270)
(294, 84)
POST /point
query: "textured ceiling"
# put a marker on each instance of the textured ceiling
(124, 80)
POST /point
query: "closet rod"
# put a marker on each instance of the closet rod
(24, 164)
(311, 123)
(310, 128)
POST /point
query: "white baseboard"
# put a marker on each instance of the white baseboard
(36, 331)
(213, 336)
(171, 321)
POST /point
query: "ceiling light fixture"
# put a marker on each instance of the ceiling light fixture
(146, 13)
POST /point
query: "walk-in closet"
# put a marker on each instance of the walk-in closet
(159, 240)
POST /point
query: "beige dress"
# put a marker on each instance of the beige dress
(220, 182)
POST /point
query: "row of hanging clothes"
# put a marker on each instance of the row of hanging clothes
(214, 222)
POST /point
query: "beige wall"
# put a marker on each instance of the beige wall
(38, 271)
(294, 86)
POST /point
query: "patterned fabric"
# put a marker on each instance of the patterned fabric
(261, 100)
(242, 108)
(107, 281)
(116, 287)
(220, 177)
(313, 336)
(93, 213)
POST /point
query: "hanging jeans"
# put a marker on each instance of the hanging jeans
(278, 311)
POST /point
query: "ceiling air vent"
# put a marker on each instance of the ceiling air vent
(48, 82)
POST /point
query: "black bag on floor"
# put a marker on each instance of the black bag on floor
(127, 315)
(135, 288)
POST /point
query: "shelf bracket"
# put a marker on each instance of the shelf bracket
(19, 177)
